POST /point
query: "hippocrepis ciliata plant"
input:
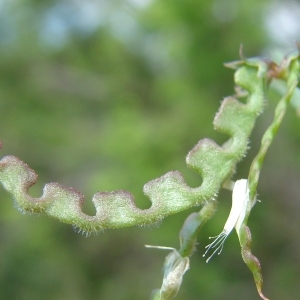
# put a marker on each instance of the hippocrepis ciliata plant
(170, 194)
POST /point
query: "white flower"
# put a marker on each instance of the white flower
(240, 200)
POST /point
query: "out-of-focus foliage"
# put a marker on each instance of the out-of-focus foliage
(102, 96)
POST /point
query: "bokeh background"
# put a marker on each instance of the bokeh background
(109, 94)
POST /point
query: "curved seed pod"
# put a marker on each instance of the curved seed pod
(169, 194)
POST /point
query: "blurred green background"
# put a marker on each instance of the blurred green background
(106, 95)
